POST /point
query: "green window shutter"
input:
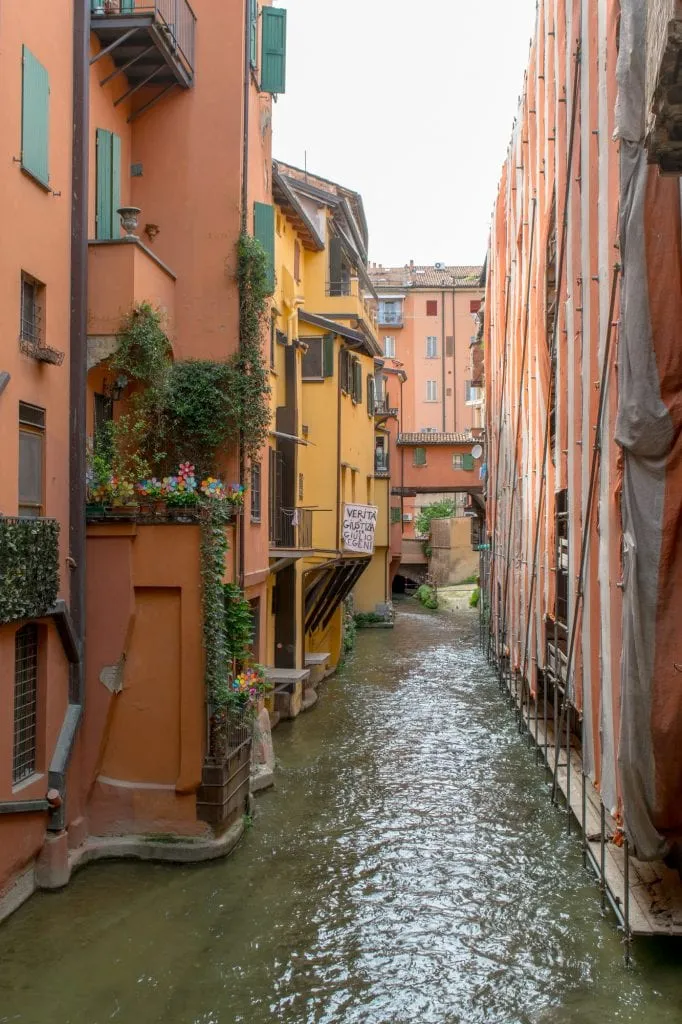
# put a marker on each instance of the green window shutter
(328, 355)
(274, 50)
(264, 232)
(357, 381)
(35, 113)
(108, 184)
(467, 462)
(253, 33)
(104, 223)
(127, 6)
(420, 456)
(370, 394)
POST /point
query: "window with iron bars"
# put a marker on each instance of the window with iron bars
(31, 311)
(255, 492)
(25, 702)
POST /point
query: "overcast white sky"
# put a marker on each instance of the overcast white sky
(411, 103)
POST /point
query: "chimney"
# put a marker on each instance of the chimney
(411, 264)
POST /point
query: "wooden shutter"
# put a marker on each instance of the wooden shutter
(335, 266)
(328, 355)
(253, 33)
(467, 462)
(431, 307)
(420, 456)
(274, 47)
(264, 231)
(108, 184)
(371, 391)
(357, 380)
(35, 105)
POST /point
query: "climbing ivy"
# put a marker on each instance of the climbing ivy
(29, 567)
(252, 380)
(214, 548)
(144, 351)
(238, 623)
(200, 417)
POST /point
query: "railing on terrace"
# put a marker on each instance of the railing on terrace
(153, 514)
(383, 407)
(176, 18)
(350, 287)
(29, 567)
(291, 528)
(390, 318)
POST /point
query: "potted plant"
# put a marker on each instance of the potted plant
(151, 496)
(123, 497)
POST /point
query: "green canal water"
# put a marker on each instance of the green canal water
(408, 867)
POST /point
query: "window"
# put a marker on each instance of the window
(474, 305)
(253, 33)
(255, 492)
(351, 375)
(297, 263)
(357, 381)
(472, 392)
(463, 462)
(371, 394)
(432, 347)
(273, 50)
(104, 413)
(395, 514)
(25, 702)
(31, 459)
(432, 391)
(380, 455)
(318, 361)
(390, 312)
(35, 113)
(301, 484)
(108, 185)
(31, 313)
(419, 457)
(339, 269)
(389, 346)
(432, 307)
(264, 232)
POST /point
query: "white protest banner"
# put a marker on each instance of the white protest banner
(359, 525)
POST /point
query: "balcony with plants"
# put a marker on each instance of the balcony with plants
(151, 42)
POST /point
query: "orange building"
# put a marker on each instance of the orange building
(584, 379)
(146, 206)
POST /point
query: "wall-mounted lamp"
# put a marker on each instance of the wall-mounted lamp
(118, 387)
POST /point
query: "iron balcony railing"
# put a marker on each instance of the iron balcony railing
(390, 318)
(383, 407)
(291, 528)
(176, 17)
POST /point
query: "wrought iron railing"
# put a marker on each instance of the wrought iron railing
(292, 528)
(383, 407)
(175, 16)
(390, 317)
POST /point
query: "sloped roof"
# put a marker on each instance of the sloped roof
(430, 437)
(412, 276)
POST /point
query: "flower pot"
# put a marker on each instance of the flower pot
(160, 509)
(126, 511)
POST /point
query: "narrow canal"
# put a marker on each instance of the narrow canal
(408, 868)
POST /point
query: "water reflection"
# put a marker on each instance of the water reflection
(408, 869)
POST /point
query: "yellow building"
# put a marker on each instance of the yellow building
(328, 514)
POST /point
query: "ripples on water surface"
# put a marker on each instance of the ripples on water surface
(408, 869)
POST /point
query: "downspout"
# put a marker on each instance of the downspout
(442, 358)
(454, 360)
(77, 399)
(338, 458)
(402, 462)
(244, 230)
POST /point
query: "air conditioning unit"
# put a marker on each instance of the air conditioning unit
(407, 517)
(439, 266)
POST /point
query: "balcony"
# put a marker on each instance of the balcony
(121, 274)
(384, 409)
(151, 42)
(344, 300)
(29, 567)
(291, 529)
(473, 393)
(390, 318)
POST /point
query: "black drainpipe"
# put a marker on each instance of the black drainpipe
(455, 382)
(77, 400)
(244, 229)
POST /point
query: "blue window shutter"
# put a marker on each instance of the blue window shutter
(35, 106)
(264, 231)
(274, 50)
(253, 33)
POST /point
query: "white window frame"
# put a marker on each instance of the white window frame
(432, 391)
(432, 346)
(389, 346)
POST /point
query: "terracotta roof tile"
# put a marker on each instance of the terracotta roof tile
(425, 277)
(431, 437)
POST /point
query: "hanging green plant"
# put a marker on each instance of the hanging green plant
(238, 624)
(144, 352)
(252, 382)
(214, 548)
(201, 412)
(29, 567)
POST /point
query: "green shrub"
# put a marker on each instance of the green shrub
(475, 598)
(368, 619)
(427, 595)
(439, 510)
(29, 567)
